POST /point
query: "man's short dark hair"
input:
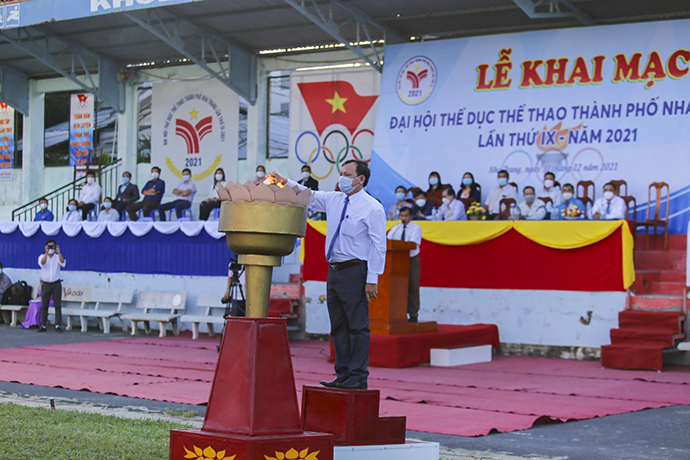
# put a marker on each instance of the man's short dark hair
(187, 170)
(611, 184)
(129, 174)
(504, 171)
(569, 185)
(419, 192)
(307, 167)
(549, 172)
(362, 169)
(50, 242)
(406, 209)
(401, 187)
(528, 187)
(42, 199)
(90, 173)
(157, 169)
(449, 190)
(107, 198)
(71, 200)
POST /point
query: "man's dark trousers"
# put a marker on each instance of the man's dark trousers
(348, 309)
(49, 290)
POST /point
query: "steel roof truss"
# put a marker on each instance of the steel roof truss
(14, 89)
(547, 9)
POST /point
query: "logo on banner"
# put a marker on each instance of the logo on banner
(193, 124)
(332, 105)
(83, 100)
(416, 80)
(3, 107)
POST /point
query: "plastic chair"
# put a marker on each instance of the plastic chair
(185, 212)
(91, 216)
(154, 213)
(504, 208)
(618, 184)
(657, 221)
(145, 219)
(216, 214)
(183, 219)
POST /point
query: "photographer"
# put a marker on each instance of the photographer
(51, 262)
(234, 293)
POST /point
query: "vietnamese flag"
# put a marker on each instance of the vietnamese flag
(335, 102)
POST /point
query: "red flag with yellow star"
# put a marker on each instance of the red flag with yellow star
(335, 102)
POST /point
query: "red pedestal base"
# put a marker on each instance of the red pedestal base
(352, 417)
(252, 412)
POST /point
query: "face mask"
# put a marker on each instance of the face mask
(43, 205)
(72, 207)
(502, 181)
(51, 251)
(433, 181)
(529, 199)
(107, 205)
(125, 180)
(399, 196)
(90, 180)
(154, 176)
(306, 174)
(186, 177)
(608, 195)
(445, 200)
(345, 184)
(548, 183)
(219, 177)
(260, 174)
(467, 181)
(421, 202)
(567, 196)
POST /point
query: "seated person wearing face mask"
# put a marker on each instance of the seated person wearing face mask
(213, 200)
(89, 195)
(307, 180)
(422, 208)
(44, 214)
(72, 214)
(504, 190)
(569, 202)
(109, 213)
(532, 208)
(469, 189)
(400, 195)
(260, 175)
(184, 191)
(451, 209)
(610, 207)
(551, 190)
(153, 193)
(127, 193)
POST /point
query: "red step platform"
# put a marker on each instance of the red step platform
(409, 350)
(352, 417)
(252, 412)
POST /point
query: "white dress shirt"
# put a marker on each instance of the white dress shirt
(616, 210)
(50, 271)
(108, 215)
(413, 234)
(535, 212)
(362, 233)
(213, 194)
(455, 210)
(71, 216)
(493, 201)
(90, 193)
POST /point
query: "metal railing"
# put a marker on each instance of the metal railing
(107, 177)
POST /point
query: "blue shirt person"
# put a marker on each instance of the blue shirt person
(44, 215)
(569, 201)
(153, 193)
(422, 208)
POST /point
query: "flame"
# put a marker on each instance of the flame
(270, 180)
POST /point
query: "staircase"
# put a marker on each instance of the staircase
(653, 319)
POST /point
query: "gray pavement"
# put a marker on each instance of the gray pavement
(659, 434)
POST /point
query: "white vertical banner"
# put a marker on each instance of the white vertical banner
(195, 125)
(6, 141)
(81, 125)
(332, 119)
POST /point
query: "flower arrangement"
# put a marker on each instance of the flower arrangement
(476, 212)
(572, 212)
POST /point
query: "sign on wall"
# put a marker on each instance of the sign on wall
(332, 118)
(596, 103)
(195, 125)
(6, 141)
(81, 125)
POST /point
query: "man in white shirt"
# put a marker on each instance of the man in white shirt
(551, 190)
(51, 284)
(451, 209)
(109, 213)
(610, 207)
(89, 196)
(185, 193)
(504, 190)
(410, 231)
(356, 254)
(72, 215)
(532, 208)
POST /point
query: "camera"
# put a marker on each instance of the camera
(51, 246)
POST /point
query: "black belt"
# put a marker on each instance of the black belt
(347, 263)
(51, 282)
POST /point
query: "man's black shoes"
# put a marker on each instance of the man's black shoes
(334, 383)
(352, 384)
(41, 329)
(58, 329)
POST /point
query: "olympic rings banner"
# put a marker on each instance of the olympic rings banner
(195, 125)
(590, 103)
(332, 117)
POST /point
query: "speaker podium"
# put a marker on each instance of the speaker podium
(388, 311)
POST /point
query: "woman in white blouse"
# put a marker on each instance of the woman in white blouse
(72, 214)
(213, 201)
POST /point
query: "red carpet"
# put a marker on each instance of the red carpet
(511, 393)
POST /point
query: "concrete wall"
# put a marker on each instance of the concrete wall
(548, 318)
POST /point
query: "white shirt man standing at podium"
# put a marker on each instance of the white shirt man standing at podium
(356, 256)
(410, 231)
